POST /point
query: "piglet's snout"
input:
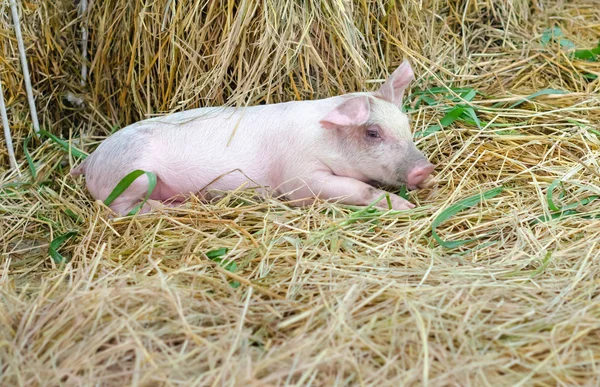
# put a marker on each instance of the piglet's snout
(419, 173)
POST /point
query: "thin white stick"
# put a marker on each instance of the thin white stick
(28, 88)
(83, 6)
(7, 135)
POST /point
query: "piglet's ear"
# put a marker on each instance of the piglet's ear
(393, 89)
(352, 112)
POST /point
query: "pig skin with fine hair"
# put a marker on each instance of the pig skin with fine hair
(330, 149)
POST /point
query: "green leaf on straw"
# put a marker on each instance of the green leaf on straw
(537, 94)
(566, 210)
(553, 207)
(583, 54)
(456, 208)
(55, 245)
(452, 115)
(443, 90)
(448, 119)
(470, 112)
(588, 54)
(593, 131)
(551, 33)
(551, 187)
(64, 144)
(430, 101)
(30, 163)
(430, 130)
(403, 192)
(544, 264)
(126, 182)
(215, 255)
(566, 43)
(468, 96)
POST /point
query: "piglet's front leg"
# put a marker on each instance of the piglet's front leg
(350, 191)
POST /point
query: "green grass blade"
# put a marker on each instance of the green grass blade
(123, 185)
(537, 94)
(456, 208)
(30, 163)
(55, 245)
(543, 265)
(447, 120)
(468, 96)
(126, 182)
(428, 100)
(554, 33)
(455, 113)
(581, 203)
(442, 90)
(470, 112)
(215, 255)
(588, 54)
(452, 115)
(365, 213)
(585, 54)
(14, 186)
(566, 43)
(565, 211)
(64, 144)
(556, 215)
(369, 213)
(595, 132)
(430, 130)
(551, 33)
(403, 192)
(151, 186)
(551, 205)
(556, 208)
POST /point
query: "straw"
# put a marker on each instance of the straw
(492, 280)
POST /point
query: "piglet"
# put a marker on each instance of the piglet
(332, 148)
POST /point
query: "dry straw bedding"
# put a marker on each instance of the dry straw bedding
(327, 295)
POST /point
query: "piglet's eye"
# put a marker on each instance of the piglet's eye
(373, 133)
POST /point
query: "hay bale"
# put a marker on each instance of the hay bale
(328, 294)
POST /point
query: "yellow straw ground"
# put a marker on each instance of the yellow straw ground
(248, 291)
